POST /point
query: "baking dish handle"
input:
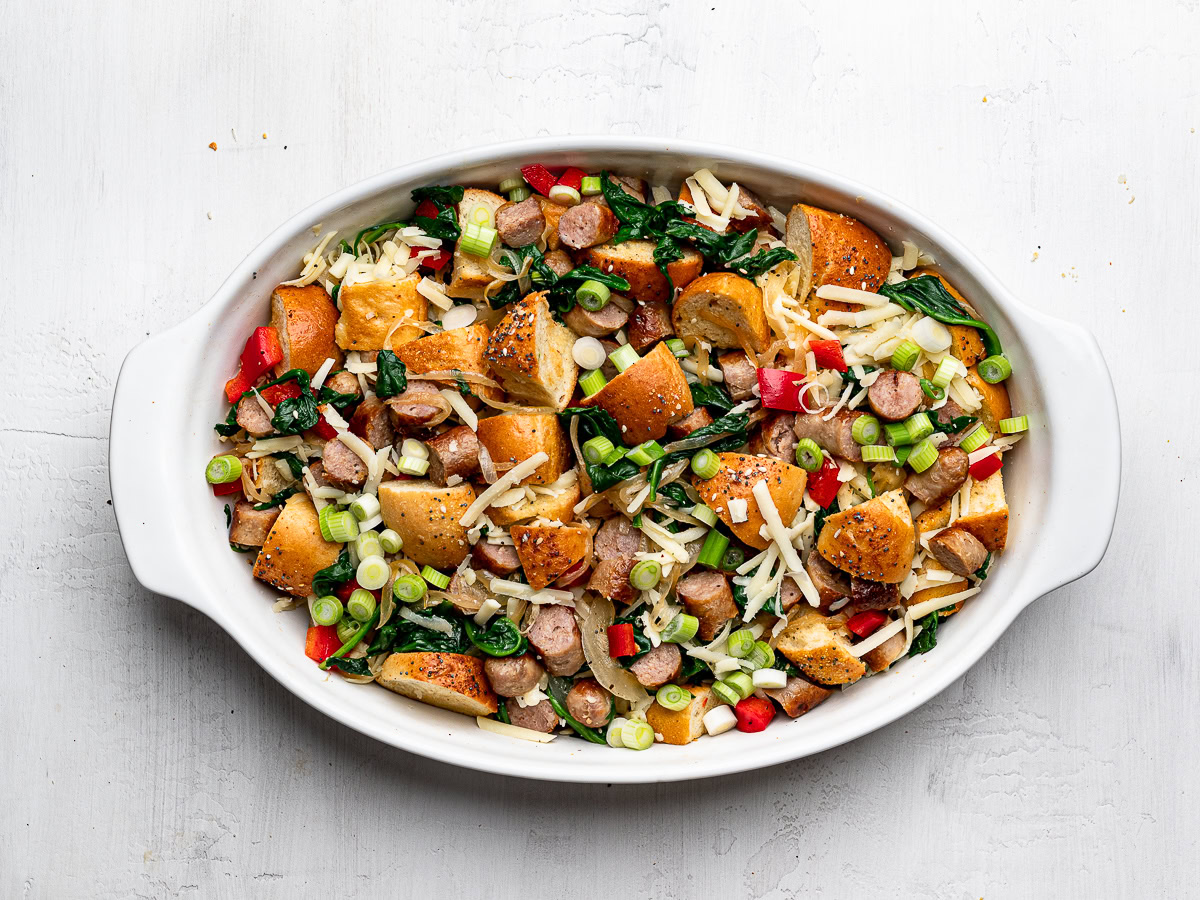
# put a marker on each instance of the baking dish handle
(143, 466)
(1085, 456)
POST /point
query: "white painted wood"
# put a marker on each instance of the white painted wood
(145, 755)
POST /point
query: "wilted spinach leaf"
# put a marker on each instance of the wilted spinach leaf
(500, 637)
(391, 376)
(927, 639)
(927, 294)
(402, 636)
(712, 396)
(329, 579)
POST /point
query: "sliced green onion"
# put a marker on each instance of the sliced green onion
(923, 456)
(896, 433)
(323, 520)
(595, 449)
(931, 390)
(477, 240)
(713, 551)
(678, 349)
(945, 373)
(361, 604)
(368, 544)
(390, 541)
(373, 573)
(769, 678)
(1015, 425)
(902, 453)
(223, 470)
(634, 735)
(365, 507)
(348, 627)
(740, 643)
(623, 357)
(516, 195)
(865, 430)
(704, 514)
(645, 574)
(414, 448)
(410, 465)
(733, 558)
(905, 355)
(592, 295)
(617, 453)
(436, 578)
(706, 464)
(564, 195)
(918, 426)
(673, 697)
(976, 439)
(681, 628)
(875, 454)
(726, 694)
(761, 656)
(994, 369)
(338, 526)
(409, 588)
(614, 733)
(511, 183)
(481, 215)
(589, 185)
(809, 456)
(592, 382)
(740, 682)
(645, 453)
(327, 610)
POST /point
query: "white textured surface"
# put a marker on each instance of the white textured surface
(146, 755)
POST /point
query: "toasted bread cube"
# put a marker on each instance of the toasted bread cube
(647, 397)
(294, 550)
(531, 355)
(874, 540)
(463, 349)
(685, 725)
(723, 309)
(548, 551)
(370, 311)
(470, 274)
(556, 507)
(820, 648)
(634, 261)
(305, 318)
(735, 481)
(452, 681)
(987, 518)
(426, 517)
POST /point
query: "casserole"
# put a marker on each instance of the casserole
(172, 531)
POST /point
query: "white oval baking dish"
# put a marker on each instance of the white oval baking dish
(1062, 484)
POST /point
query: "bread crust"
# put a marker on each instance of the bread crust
(305, 318)
(426, 518)
(470, 275)
(453, 681)
(369, 311)
(634, 261)
(294, 550)
(736, 479)
(938, 590)
(511, 438)
(996, 403)
(820, 648)
(548, 551)
(685, 725)
(464, 349)
(845, 253)
(874, 540)
(560, 508)
(531, 354)
(725, 310)
(647, 397)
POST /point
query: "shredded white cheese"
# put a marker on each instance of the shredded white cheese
(503, 483)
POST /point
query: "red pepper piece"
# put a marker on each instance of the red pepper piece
(323, 428)
(438, 262)
(823, 484)
(426, 209)
(277, 393)
(539, 178)
(867, 622)
(986, 467)
(780, 389)
(224, 490)
(572, 178)
(577, 574)
(620, 640)
(754, 714)
(321, 642)
(262, 351)
(343, 593)
(828, 355)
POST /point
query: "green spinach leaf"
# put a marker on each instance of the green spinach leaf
(402, 636)
(982, 572)
(927, 639)
(391, 376)
(277, 499)
(676, 494)
(954, 426)
(927, 294)
(733, 426)
(329, 579)
(712, 396)
(501, 637)
(562, 292)
(356, 666)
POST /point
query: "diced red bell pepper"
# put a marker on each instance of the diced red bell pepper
(427, 209)
(321, 642)
(323, 428)
(262, 351)
(828, 355)
(986, 467)
(621, 641)
(224, 490)
(823, 484)
(754, 714)
(344, 592)
(577, 574)
(277, 393)
(780, 389)
(867, 622)
(438, 262)
(539, 178)
(572, 178)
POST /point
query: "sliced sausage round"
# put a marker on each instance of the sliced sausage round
(559, 262)
(958, 550)
(886, 653)
(344, 469)
(453, 452)
(555, 636)
(649, 323)
(511, 676)
(371, 423)
(252, 417)
(895, 395)
(499, 559)
(831, 582)
(539, 717)
(758, 218)
(343, 383)
(834, 436)
(589, 703)
(789, 594)
(587, 225)
(421, 405)
(600, 323)
(865, 594)
(942, 479)
(741, 375)
(698, 418)
(467, 596)
(250, 526)
(798, 696)
(614, 545)
(777, 437)
(706, 595)
(660, 665)
(520, 224)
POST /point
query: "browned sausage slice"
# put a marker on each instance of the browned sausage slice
(589, 703)
(499, 559)
(696, 419)
(831, 582)
(558, 261)
(371, 423)
(789, 594)
(600, 323)
(835, 436)
(614, 545)
(344, 469)
(539, 717)
(895, 395)
(758, 218)
(252, 417)
(343, 383)
(706, 595)
(555, 635)
(741, 375)
(512, 676)
(520, 224)
(649, 323)
(658, 666)
(777, 437)
(421, 405)
(798, 696)
(587, 225)
(942, 479)
(453, 452)
(250, 526)
(466, 596)
(958, 550)
(886, 653)
(866, 594)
